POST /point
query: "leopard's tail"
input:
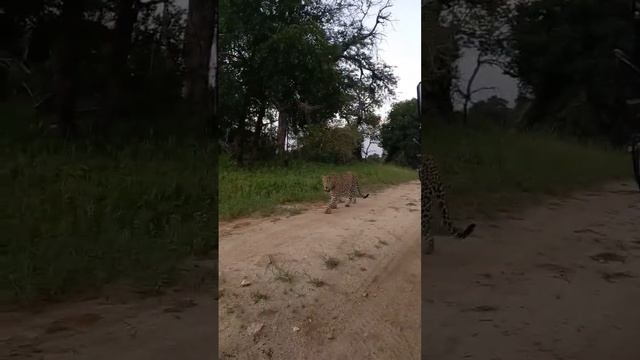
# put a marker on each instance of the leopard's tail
(360, 192)
(454, 230)
(446, 221)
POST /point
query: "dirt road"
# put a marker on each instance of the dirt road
(558, 281)
(178, 325)
(554, 282)
(344, 285)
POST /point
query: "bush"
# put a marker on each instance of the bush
(330, 145)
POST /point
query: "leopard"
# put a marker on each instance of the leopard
(431, 188)
(339, 185)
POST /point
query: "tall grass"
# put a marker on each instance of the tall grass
(74, 218)
(260, 190)
(494, 168)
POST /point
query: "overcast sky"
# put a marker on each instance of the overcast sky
(506, 86)
(400, 48)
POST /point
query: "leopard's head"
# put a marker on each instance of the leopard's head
(328, 182)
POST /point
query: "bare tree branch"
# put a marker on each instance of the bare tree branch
(484, 88)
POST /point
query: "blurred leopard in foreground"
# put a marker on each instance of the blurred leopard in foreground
(431, 187)
(339, 185)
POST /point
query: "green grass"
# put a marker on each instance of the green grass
(74, 218)
(497, 169)
(261, 190)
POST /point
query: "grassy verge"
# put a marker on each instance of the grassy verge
(75, 218)
(492, 170)
(261, 190)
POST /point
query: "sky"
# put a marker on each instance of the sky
(506, 86)
(400, 48)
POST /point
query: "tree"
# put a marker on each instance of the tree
(493, 110)
(482, 26)
(398, 135)
(197, 54)
(562, 54)
(371, 130)
(304, 62)
(329, 144)
(66, 62)
(439, 53)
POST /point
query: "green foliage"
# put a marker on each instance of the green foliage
(492, 168)
(399, 135)
(329, 144)
(265, 189)
(491, 112)
(306, 60)
(153, 77)
(75, 217)
(562, 53)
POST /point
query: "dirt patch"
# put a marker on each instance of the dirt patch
(344, 285)
(177, 325)
(540, 317)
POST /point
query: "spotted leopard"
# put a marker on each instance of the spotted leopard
(339, 185)
(431, 187)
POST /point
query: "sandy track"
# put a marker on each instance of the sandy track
(368, 307)
(179, 325)
(527, 287)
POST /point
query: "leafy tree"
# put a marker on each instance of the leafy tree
(493, 111)
(329, 144)
(398, 135)
(561, 52)
(305, 62)
(439, 54)
(482, 26)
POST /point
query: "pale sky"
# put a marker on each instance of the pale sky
(506, 86)
(400, 48)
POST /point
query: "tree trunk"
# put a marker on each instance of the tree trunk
(120, 47)
(366, 151)
(213, 73)
(438, 54)
(357, 151)
(126, 17)
(468, 93)
(66, 63)
(198, 49)
(258, 132)
(240, 141)
(283, 127)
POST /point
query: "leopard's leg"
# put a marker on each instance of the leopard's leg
(428, 241)
(438, 191)
(332, 204)
(352, 196)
